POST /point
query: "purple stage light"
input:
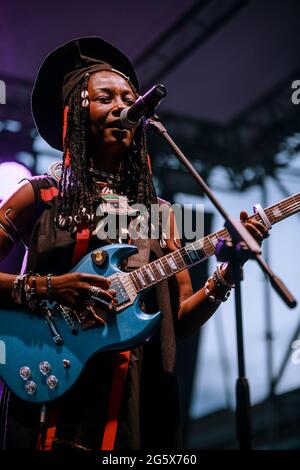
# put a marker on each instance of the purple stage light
(11, 173)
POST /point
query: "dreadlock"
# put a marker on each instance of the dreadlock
(76, 201)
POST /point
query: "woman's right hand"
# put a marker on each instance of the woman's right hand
(73, 290)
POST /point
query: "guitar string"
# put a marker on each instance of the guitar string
(183, 251)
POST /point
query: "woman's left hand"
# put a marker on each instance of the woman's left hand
(257, 229)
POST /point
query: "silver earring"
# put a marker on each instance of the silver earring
(85, 101)
(162, 241)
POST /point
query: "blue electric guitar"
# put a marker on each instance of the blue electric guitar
(43, 354)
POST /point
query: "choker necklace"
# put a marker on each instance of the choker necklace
(104, 175)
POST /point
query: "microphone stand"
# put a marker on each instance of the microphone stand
(241, 247)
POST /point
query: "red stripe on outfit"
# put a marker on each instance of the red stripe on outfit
(117, 389)
(149, 164)
(48, 194)
(82, 245)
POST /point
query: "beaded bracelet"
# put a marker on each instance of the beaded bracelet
(218, 280)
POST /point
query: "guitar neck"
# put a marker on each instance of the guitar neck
(198, 251)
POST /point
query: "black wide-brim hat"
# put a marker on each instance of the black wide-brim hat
(47, 99)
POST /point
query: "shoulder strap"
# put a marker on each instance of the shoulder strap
(45, 190)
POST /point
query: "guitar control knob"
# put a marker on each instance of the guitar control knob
(25, 372)
(66, 363)
(44, 367)
(30, 387)
(52, 382)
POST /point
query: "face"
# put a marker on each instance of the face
(109, 94)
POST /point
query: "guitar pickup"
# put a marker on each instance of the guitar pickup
(121, 293)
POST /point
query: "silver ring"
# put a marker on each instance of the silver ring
(94, 291)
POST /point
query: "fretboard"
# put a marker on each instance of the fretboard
(198, 251)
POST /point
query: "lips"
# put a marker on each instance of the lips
(116, 124)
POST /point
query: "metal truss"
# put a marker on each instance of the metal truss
(248, 146)
(193, 28)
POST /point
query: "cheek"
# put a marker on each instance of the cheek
(97, 117)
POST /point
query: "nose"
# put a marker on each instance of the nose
(116, 110)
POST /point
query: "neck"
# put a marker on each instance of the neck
(109, 166)
(108, 159)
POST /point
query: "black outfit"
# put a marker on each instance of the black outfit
(149, 416)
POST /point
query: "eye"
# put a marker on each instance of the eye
(103, 99)
(130, 102)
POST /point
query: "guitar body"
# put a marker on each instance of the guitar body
(26, 340)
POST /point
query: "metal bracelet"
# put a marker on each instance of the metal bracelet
(30, 292)
(49, 287)
(221, 279)
(208, 292)
(17, 288)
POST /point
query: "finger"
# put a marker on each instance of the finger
(96, 280)
(244, 216)
(104, 294)
(254, 232)
(262, 228)
(108, 306)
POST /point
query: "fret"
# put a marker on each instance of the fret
(209, 249)
(283, 209)
(140, 276)
(213, 240)
(160, 267)
(166, 266)
(178, 258)
(211, 246)
(193, 255)
(223, 233)
(150, 273)
(146, 275)
(277, 211)
(186, 258)
(172, 263)
(198, 247)
(156, 272)
(135, 281)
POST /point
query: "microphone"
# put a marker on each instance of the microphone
(145, 104)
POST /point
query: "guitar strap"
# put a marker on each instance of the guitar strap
(120, 366)
(45, 439)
